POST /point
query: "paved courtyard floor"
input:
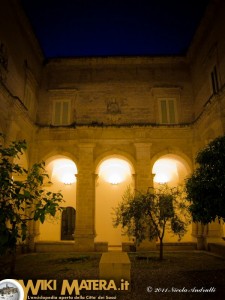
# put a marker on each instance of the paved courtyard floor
(181, 275)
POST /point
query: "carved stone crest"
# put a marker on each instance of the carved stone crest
(113, 107)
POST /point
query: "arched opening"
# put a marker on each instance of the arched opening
(172, 170)
(114, 177)
(61, 171)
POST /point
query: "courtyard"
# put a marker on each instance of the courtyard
(181, 275)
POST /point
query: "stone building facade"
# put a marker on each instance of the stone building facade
(88, 110)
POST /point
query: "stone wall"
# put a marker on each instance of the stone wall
(113, 105)
(118, 90)
(20, 71)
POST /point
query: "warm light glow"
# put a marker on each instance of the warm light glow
(68, 178)
(115, 178)
(64, 170)
(161, 178)
(165, 170)
(114, 170)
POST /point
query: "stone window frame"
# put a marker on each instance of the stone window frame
(171, 115)
(168, 93)
(64, 118)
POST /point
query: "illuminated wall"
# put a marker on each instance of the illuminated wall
(114, 177)
(172, 170)
(62, 175)
(114, 105)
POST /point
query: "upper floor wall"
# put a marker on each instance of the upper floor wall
(20, 57)
(207, 56)
(119, 90)
(138, 90)
(106, 91)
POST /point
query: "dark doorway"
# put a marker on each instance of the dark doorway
(68, 223)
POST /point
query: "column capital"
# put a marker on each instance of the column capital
(142, 145)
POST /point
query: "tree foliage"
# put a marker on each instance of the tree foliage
(22, 197)
(150, 214)
(206, 186)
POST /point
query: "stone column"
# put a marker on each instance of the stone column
(214, 233)
(85, 209)
(144, 180)
(207, 233)
(144, 177)
(199, 231)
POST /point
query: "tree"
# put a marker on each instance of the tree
(206, 186)
(21, 200)
(148, 215)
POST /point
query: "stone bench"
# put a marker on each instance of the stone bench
(115, 265)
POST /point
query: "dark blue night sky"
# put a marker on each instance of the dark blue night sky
(114, 27)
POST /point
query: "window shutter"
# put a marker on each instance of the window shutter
(164, 111)
(168, 111)
(61, 112)
(65, 112)
(171, 111)
(57, 113)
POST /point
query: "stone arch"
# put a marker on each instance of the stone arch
(49, 161)
(58, 153)
(171, 168)
(57, 166)
(115, 154)
(107, 195)
(176, 153)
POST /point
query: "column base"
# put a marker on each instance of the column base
(84, 244)
(201, 243)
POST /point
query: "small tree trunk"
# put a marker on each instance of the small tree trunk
(161, 249)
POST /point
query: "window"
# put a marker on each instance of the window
(167, 109)
(214, 81)
(68, 223)
(61, 112)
